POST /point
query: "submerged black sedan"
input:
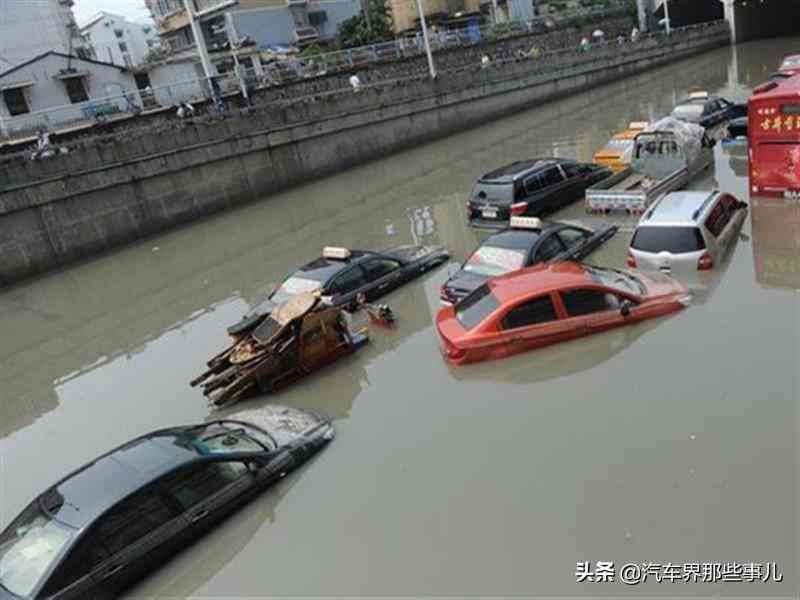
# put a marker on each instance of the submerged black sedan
(340, 275)
(527, 242)
(100, 529)
(707, 111)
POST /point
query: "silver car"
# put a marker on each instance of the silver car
(686, 231)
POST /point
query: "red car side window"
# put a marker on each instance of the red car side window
(534, 312)
(586, 302)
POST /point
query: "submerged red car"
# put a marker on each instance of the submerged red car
(551, 303)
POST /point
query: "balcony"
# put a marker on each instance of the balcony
(204, 8)
(305, 35)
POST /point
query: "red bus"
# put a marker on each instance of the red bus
(773, 129)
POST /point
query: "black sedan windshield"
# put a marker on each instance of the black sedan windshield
(28, 549)
(491, 261)
(226, 438)
(688, 112)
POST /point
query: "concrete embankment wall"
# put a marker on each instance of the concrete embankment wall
(116, 194)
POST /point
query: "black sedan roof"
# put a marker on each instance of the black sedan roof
(514, 238)
(509, 173)
(322, 269)
(702, 100)
(94, 488)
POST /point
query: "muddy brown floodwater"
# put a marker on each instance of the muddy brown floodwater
(673, 441)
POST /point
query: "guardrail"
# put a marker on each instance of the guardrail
(133, 102)
(103, 109)
(409, 47)
(546, 63)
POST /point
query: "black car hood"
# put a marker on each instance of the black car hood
(466, 281)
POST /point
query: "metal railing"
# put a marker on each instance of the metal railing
(103, 109)
(546, 64)
(407, 47)
(134, 102)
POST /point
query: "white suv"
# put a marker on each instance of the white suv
(686, 231)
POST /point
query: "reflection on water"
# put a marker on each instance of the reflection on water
(559, 360)
(647, 442)
(776, 242)
(737, 157)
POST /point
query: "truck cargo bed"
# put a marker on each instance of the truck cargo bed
(633, 183)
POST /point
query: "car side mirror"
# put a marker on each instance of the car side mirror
(743, 237)
(625, 308)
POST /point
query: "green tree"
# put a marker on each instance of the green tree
(361, 31)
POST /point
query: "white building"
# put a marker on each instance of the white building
(118, 40)
(29, 28)
(55, 90)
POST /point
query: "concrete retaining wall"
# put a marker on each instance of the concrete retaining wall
(190, 173)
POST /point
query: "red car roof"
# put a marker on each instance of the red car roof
(539, 278)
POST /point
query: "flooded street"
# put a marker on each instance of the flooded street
(671, 441)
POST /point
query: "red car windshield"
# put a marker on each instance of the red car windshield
(476, 307)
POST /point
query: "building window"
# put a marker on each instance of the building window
(123, 47)
(76, 90)
(15, 101)
(119, 33)
(165, 7)
(317, 17)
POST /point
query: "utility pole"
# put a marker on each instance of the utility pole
(233, 40)
(666, 17)
(425, 39)
(200, 43)
(495, 10)
(367, 16)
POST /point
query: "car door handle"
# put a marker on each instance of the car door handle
(199, 516)
(112, 571)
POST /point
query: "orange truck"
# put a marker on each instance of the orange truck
(617, 153)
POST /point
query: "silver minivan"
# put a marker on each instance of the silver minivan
(686, 231)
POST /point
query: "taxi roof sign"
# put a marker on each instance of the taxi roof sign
(525, 223)
(335, 253)
(638, 125)
(698, 95)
